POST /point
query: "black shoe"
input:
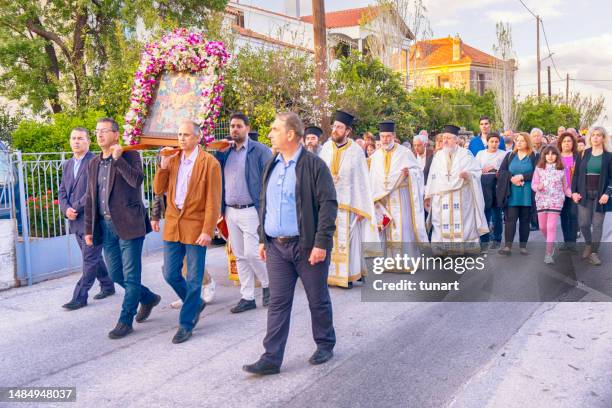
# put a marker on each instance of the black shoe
(197, 318)
(181, 336)
(265, 298)
(495, 245)
(145, 310)
(72, 305)
(243, 306)
(103, 295)
(321, 356)
(120, 331)
(261, 367)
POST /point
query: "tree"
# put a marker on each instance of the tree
(436, 107)
(260, 81)
(371, 91)
(590, 108)
(395, 26)
(8, 124)
(546, 115)
(506, 107)
(55, 54)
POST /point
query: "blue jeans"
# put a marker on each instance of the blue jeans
(188, 290)
(494, 219)
(123, 258)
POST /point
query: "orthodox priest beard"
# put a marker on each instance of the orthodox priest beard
(449, 150)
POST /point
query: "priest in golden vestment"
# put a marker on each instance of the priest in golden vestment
(397, 191)
(355, 224)
(454, 193)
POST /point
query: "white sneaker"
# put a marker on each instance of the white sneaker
(209, 291)
(548, 259)
(177, 304)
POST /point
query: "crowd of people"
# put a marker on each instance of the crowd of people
(316, 211)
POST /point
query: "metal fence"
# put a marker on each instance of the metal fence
(29, 185)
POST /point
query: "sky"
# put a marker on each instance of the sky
(579, 34)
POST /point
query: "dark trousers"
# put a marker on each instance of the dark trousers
(93, 268)
(285, 263)
(188, 290)
(494, 220)
(589, 217)
(124, 260)
(523, 215)
(569, 221)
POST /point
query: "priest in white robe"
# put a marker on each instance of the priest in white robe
(454, 193)
(355, 224)
(397, 188)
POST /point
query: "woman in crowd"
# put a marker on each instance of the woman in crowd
(514, 192)
(438, 141)
(591, 189)
(490, 160)
(580, 144)
(551, 187)
(370, 149)
(566, 143)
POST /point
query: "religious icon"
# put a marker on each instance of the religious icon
(178, 98)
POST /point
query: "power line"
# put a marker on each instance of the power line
(548, 47)
(590, 80)
(527, 8)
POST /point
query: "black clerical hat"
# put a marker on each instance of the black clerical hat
(313, 130)
(451, 129)
(344, 117)
(386, 126)
(254, 135)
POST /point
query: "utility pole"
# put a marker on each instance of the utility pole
(567, 89)
(549, 86)
(538, 55)
(320, 49)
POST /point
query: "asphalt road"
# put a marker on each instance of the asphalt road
(388, 354)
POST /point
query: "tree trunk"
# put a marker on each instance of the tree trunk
(78, 53)
(53, 70)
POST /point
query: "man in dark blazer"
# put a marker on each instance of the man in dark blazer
(115, 217)
(72, 194)
(297, 224)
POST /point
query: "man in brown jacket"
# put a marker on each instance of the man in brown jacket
(191, 180)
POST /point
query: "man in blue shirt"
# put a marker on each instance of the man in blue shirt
(242, 167)
(297, 223)
(477, 144)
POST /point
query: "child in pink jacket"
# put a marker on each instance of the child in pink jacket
(551, 188)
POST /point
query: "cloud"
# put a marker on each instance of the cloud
(584, 59)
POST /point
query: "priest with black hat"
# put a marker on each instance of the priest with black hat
(312, 137)
(397, 188)
(355, 223)
(454, 194)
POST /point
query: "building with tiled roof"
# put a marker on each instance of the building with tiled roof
(450, 63)
(347, 30)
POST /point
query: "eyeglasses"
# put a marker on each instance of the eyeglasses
(102, 131)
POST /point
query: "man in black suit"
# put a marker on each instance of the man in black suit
(116, 218)
(72, 193)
